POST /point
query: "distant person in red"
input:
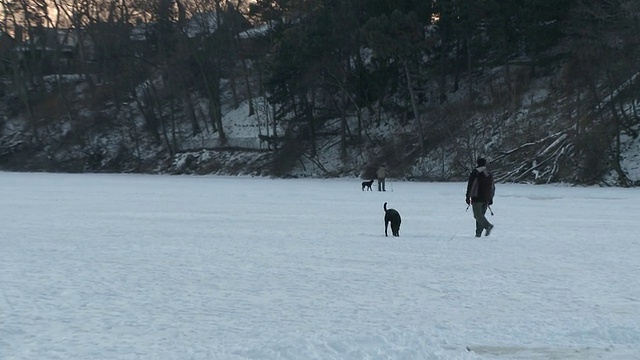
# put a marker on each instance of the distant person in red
(480, 190)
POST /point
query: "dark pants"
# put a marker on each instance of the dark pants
(381, 185)
(479, 209)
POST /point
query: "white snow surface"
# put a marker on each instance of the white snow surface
(204, 267)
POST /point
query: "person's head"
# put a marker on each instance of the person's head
(482, 162)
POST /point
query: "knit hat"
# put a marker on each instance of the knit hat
(482, 162)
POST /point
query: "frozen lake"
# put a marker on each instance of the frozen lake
(204, 267)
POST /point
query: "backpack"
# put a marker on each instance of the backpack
(488, 188)
(483, 187)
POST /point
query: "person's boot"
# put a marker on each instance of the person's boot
(488, 231)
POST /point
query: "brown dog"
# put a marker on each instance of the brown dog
(391, 216)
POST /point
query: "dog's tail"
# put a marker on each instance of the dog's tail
(385, 207)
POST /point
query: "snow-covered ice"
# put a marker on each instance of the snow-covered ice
(205, 267)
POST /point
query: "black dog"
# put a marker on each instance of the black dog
(367, 185)
(393, 217)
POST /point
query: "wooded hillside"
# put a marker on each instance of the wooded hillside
(546, 90)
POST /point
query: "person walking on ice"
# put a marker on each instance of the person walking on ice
(480, 191)
(382, 174)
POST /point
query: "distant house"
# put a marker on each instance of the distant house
(199, 25)
(141, 31)
(55, 50)
(206, 23)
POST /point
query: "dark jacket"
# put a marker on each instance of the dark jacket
(480, 186)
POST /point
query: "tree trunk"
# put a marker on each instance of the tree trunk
(414, 105)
